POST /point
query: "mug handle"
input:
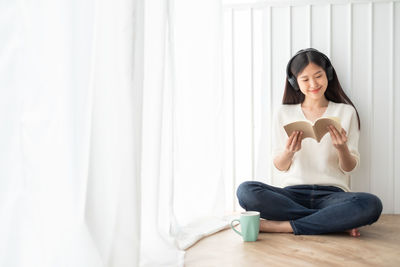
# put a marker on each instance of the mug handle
(233, 228)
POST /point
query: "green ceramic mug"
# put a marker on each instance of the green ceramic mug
(250, 225)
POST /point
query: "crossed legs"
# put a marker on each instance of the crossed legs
(307, 210)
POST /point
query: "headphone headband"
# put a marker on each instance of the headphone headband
(293, 81)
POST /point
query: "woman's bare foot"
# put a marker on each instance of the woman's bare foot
(354, 232)
(275, 226)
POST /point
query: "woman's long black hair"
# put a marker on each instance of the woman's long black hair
(334, 91)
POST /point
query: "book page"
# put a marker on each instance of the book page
(304, 126)
(320, 126)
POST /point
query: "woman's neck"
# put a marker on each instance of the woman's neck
(315, 103)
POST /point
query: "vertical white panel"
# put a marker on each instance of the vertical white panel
(264, 172)
(361, 93)
(252, 94)
(309, 26)
(242, 102)
(258, 34)
(280, 51)
(233, 129)
(391, 100)
(381, 182)
(350, 49)
(339, 44)
(320, 36)
(396, 84)
(230, 196)
(300, 28)
(280, 38)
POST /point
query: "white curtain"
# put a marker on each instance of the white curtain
(184, 125)
(71, 84)
(112, 138)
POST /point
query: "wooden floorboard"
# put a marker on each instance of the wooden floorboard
(378, 245)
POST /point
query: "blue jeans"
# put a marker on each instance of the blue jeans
(310, 209)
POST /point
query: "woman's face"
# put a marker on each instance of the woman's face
(312, 81)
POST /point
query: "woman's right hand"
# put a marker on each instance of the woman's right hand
(293, 144)
(283, 161)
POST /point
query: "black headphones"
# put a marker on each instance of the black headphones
(293, 81)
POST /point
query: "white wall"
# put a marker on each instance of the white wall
(360, 38)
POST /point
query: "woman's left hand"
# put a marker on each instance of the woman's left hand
(339, 139)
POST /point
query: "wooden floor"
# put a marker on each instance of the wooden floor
(378, 245)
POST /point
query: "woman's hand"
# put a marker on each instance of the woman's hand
(293, 144)
(283, 161)
(338, 139)
(347, 162)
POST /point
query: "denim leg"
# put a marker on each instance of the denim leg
(273, 203)
(338, 212)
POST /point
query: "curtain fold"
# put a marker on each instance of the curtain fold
(112, 208)
(156, 188)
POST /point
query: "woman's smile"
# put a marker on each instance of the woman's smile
(315, 90)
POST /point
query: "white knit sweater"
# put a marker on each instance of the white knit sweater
(316, 163)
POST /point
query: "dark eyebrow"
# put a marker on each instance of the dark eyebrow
(313, 74)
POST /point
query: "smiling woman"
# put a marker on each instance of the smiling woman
(317, 175)
(311, 78)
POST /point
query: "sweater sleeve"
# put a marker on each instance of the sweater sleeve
(353, 135)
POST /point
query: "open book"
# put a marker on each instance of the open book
(316, 130)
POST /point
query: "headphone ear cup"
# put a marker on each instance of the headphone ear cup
(293, 83)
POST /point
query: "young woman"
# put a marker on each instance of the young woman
(315, 197)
